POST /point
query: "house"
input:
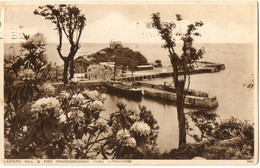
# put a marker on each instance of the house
(79, 75)
(98, 72)
(115, 45)
(108, 64)
(144, 67)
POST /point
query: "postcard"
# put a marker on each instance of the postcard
(129, 83)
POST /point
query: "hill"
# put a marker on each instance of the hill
(124, 56)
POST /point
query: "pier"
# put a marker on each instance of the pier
(194, 98)
(203, 67)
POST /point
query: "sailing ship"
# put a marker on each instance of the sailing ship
(122, 88)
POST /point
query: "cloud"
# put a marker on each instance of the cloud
(233, 33)
(116, 27)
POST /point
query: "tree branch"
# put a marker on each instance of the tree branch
(60, 41)
(80, 31)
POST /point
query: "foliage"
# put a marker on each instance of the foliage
(65, 126)
(25, 73)
(69, 124)
(233, 127)
(205, 121)
(124, 56)
(69, 22)
(227, 139)
(35, 57)
(134, 133)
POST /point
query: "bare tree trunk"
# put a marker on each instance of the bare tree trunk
(65, 73)
(181, 120)
(179, 87)
(72, 68)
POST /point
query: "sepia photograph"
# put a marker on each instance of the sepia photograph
(132, 83)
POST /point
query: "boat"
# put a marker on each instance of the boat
(123, 88)
(190, 101)
(193, 97)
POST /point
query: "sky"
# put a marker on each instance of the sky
(224, 22)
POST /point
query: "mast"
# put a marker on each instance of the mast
(132, 74)
(122, 71)
(115, 69)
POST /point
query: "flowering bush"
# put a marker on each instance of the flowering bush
(140, 128)
(134, 133)
(48, 89)
(124, 138)
(58, 124)
(46, 104)
(44, 122)
(27, 74)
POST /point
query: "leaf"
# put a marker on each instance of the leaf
(32, 129)
(47, 130)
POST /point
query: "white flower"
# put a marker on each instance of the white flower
(64, 95)
(141, 128)
(27, 74)
(131, 142)
(24, 128)
(124, 138)
(79, 143)
(93, 95)
(7, 146)
(62, 118)
(46, 104)
(98, 105)
(80, 113)
(48, 88)
(103, 96)
(101, 123)
(77, 115)
(78, 99)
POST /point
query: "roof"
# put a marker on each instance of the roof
(96, 66)
(143, 66)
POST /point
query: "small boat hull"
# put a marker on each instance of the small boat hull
(124, 91)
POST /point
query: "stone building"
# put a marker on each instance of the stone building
(98, 72)
(115, 45)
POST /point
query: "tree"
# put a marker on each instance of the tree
(182, 64)
(70, 23)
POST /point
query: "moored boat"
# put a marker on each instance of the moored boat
(190, 101)
(124, 89)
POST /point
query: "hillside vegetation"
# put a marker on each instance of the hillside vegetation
(124, 56)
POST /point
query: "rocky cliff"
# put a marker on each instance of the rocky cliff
(123, 56)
